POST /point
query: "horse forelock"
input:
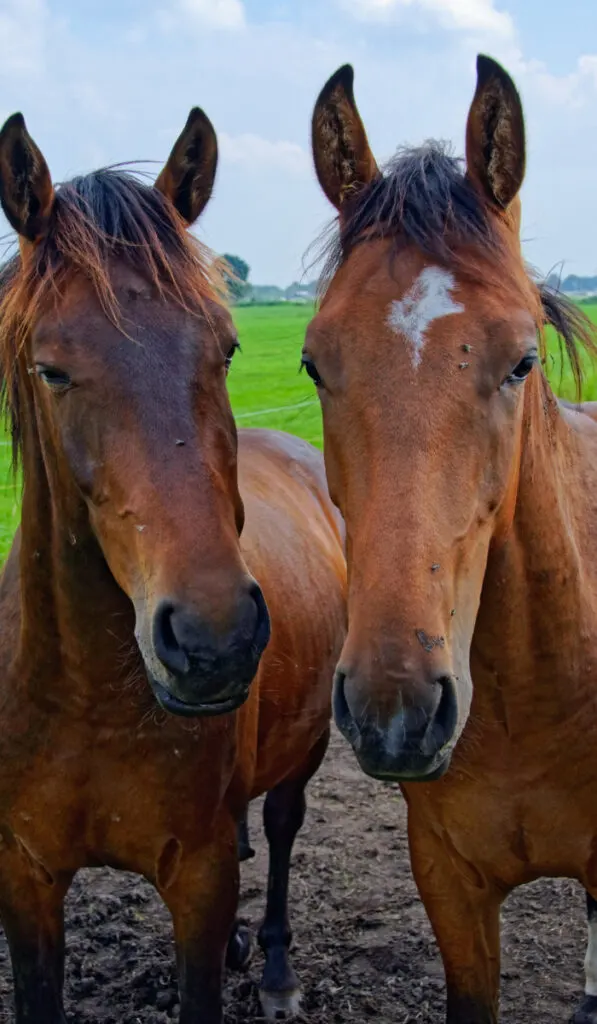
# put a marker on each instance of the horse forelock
(106, 216)
(424, 198)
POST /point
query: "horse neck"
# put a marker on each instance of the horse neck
(536, 623)
(76, 624)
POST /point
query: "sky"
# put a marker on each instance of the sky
(101, 83)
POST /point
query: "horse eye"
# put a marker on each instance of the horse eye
(522, 370)
(230, 355)
(53, 378)
(311, 369)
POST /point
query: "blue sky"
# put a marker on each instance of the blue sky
(112, 81)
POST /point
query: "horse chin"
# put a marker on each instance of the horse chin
(203, 709)
(436, 770)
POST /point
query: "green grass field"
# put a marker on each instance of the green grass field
(267, 389)
(265, 374)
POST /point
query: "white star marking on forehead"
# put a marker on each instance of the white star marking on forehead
(427, 300)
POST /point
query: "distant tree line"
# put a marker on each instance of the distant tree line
(237, 271)
(236, 275)
(574, 284)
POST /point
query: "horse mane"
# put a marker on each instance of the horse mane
(423, 197)
(574, 330)
(97, 218)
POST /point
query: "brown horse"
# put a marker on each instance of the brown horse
(470, 500)
(128, 582)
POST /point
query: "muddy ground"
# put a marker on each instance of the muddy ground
(363, 947)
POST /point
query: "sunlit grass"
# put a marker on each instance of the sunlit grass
(267, 390)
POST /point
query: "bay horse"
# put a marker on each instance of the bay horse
(469, 494)
(128, 587)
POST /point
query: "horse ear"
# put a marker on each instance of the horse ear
(188, 176)
(495, 138)
(26, 190)
(343, 159)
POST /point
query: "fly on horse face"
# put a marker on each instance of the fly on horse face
(128, 582)
(469, 493)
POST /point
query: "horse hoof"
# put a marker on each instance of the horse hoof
(587, 1011)
(280, 1005)
(240, 949)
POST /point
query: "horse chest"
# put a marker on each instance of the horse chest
(515, 827)
(111, 797)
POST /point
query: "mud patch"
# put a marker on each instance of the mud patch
(363, 947)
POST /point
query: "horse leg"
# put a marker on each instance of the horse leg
(240, 946)
(32, 914)
(245, 850)
(464, 910)
(587, 1011)
(201, 892)
(283, 816)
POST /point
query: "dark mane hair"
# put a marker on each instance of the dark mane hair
(109, 214)
(421, 198)
(574, 331)
(424, 198)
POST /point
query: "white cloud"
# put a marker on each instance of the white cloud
(588, 66)
(257, 77)
(475, 16)
(256, 152)
(22, 32)
(575, 90)
(481, 25)
(228, 14)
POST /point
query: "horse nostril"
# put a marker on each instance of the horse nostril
(341, 709)
(445, 719)
(262, 621)
(187, 645)
(166, 644)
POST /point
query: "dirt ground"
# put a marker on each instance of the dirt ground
(363, 947)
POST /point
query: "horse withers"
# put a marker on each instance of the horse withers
(470, 500)
(127, 587)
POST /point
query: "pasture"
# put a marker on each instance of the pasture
(267, 389)
(364, 948)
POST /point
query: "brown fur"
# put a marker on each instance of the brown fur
(132, 494)
(470, 504)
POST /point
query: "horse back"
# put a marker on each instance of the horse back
(293, 543)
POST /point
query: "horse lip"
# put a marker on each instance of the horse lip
(204, 709)
(437, 770)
